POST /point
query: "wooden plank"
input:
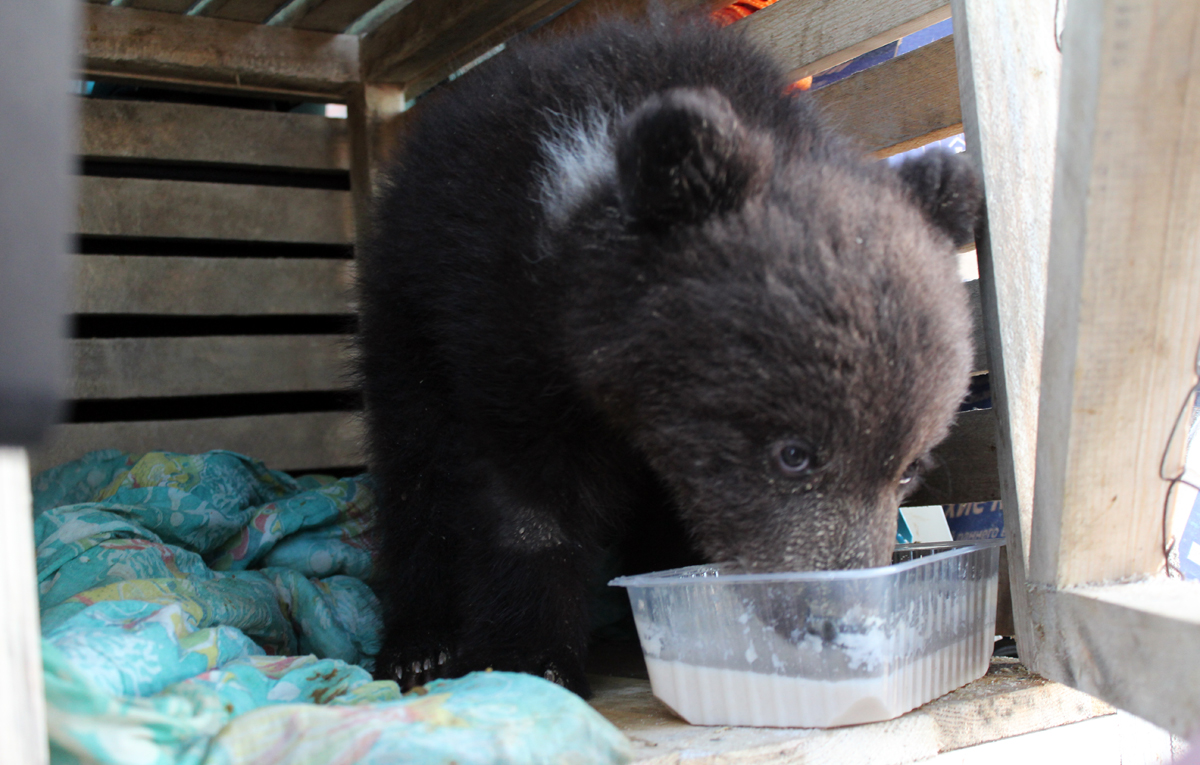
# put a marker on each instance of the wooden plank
(192, 51)
(165, 6)
(1008, 71)
(282, 441)
(333, 15)
(192, 133)
(432, 35)
(22, 696)
(1122, 329)
(136, 367)
(186, 286)
(377, 121)
(138, 207)
(900, 104)
(965, 467)
(252, 11)
(1133, 645)
(978, 337)
(812, 37)
(1008, 701)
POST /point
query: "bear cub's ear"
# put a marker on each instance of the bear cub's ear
(946, 187)
(684, 155)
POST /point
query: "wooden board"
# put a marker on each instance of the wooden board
(1008, 69)
(965, 467)
(192, 51)
(1133, 645)
(253, 11)
(1122, 329)
(332, 15)
(900, 104)
(810, 37)
(138, 207)
(187, 286)
(428, 35)
(282, 441)
(22, 697)
(1008, 701)
(137, 367)
(166, 6)
(192, 133)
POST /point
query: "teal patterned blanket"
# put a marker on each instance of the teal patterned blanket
(202, 609)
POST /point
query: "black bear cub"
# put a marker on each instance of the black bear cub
(629, 274)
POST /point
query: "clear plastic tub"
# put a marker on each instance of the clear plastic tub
(818, 648)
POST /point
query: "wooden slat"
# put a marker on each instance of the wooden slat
(282, 441)
(430, 36)
(1132, 645)
(900, 104)
(137, 207)
(192, 133)
(978, 338)
(136, 367)
(22, 694)
(166, 6)
(333, 15)
(1008, 67)
(811, 37)
(253, 11)
(200, 52)
(1122, 329)
(1007, 702)
(965, 464)
(186, 286)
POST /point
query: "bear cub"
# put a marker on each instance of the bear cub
(630, 275)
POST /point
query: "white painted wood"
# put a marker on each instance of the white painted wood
(166, 131)
(22, 698)
(1123, 321)
(811, 37)
(1008, 73)
(1133, 645)
(282, 441)
(189, 286)
(141, 367)
(139, 207)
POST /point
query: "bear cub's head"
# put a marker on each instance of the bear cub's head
(776, 323)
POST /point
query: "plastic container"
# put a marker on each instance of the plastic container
(817, 648)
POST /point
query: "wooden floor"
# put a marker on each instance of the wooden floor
(1009, 701)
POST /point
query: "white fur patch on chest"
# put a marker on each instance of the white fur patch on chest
(579, 156)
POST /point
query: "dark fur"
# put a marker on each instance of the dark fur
(745, 282)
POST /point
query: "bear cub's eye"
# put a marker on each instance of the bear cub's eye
(911, 472)
(793, 457)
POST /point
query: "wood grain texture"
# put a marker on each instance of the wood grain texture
(282, 441)
(165, 6)
(965, 467)
(192, 51)
(137, 207)
(1122, 329)
(137, 367)
(1132, 645)
(191, 133)
(1008, 72)
(187, 286)
(1009, 701)
(811, 37)
(902, 103)
(22, 698)
(433, 35)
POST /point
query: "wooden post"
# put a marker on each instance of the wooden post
(22, 698)
(376, 120)
(1008, 73)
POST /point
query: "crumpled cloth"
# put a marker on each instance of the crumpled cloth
(204, 609)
